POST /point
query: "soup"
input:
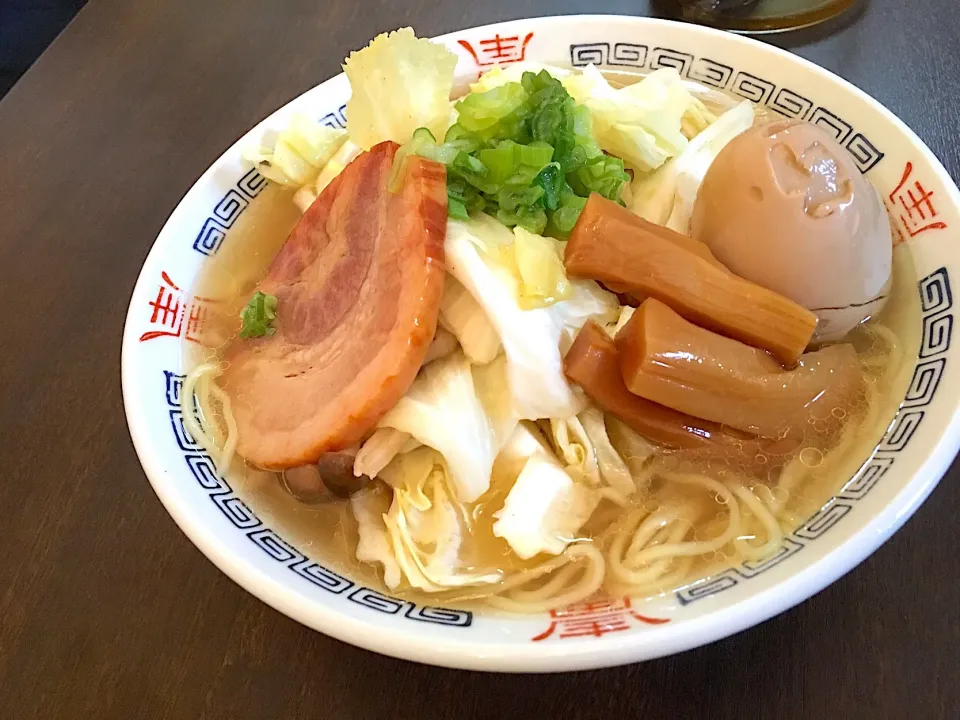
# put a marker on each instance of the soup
(716, 433)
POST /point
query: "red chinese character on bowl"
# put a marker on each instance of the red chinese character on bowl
(169, 310)
(498, 50)
(594, 618)
(914, 205)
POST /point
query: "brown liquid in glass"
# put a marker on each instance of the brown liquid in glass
(762, 16)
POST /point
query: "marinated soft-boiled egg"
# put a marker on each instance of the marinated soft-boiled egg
(784, 205)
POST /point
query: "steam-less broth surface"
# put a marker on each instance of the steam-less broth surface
(829, 454)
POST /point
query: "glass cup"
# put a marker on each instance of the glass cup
(762, 16)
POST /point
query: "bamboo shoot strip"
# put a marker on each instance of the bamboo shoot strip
(670, 361)
(632, 255)
(592, 363)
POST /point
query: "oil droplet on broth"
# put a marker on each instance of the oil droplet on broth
(811, 457)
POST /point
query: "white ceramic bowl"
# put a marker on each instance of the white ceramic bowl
(912, 457)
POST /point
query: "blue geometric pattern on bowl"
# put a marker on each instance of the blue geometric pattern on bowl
(240, 515)
(782, 100)
(214, 229)
(226, 211)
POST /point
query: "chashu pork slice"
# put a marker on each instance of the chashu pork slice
(359, 283)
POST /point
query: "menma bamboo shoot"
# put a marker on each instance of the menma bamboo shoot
(670, 361)
(629, 254)
(592, 363)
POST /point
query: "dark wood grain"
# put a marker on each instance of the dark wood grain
(107, 611)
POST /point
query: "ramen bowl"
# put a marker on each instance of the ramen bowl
(251, 548)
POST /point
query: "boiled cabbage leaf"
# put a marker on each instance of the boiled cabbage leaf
(543, 279)
(300, 152)
(644, 124)
(493, 389)
(513, 73)
(442, 410)
(612, 468)
(544, 509)
(531, 338)
(369, 506)
(400, 83)
(463, 316)
(305, 196)
(426, 524)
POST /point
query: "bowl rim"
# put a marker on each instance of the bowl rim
(462, 652)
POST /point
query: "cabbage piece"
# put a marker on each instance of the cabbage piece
(643, 123)
(463, 316)
(369, 505)
(575, 449)
(337, 164)
(399, 83)
(524, 441)
(635, 450)
(493, 389)
(583, 445)
(653, 195)
(693, 163)
(588, 84)
(531, 338)
(716, 101)
(444, 343)
(544, 509)
(305, 196)
(513, 73)
(612, 468)
(377, 452)
(543, 278)
(539, 278)
(441, 410)
(411, 445)
(667, 94)
(666, 196)
(300, 152)
(587, 301)
(626, 312)
(426, 525)
(410, 472)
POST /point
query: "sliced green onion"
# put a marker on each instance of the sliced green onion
(523, 152)
(551, 179)
(258, 315)
(494, 114)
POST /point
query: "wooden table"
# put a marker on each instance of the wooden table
(107, 611)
